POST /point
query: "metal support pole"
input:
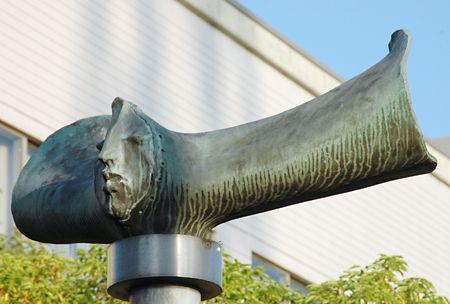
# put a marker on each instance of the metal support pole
(164, 268)
(164, 294)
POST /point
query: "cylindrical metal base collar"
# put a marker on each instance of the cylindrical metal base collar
(164, 259)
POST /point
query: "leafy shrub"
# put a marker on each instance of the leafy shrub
(29, 273)
(377, 283)
(244, 284)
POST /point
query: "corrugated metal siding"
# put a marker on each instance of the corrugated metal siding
(63, 61)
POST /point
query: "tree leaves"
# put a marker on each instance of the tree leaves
(29, 273)
(244, 284)
(377, 283)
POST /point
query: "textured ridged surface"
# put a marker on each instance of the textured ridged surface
(360, 134)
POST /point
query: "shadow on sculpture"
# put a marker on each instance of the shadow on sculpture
(156, 193)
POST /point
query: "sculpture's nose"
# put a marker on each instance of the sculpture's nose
(106, 160)
(107, 155)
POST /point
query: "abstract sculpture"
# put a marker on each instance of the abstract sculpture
(104, 179)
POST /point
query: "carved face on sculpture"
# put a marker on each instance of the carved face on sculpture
(123, 173)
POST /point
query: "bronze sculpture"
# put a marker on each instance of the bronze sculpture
(151, 180)
(128, 180)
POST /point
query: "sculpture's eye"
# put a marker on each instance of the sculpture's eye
(99, 146)
(136, 139)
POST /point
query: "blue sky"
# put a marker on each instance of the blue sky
(351, 36)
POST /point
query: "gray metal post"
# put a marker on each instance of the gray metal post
(164, 268)
(164, 294)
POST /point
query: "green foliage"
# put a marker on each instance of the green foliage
(377, 283)
(29, 273)
(244, 284)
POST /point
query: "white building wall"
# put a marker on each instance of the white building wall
(62, 61)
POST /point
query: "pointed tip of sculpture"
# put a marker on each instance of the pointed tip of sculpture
(398, 38)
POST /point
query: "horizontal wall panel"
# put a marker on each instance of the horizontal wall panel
(76, 57)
